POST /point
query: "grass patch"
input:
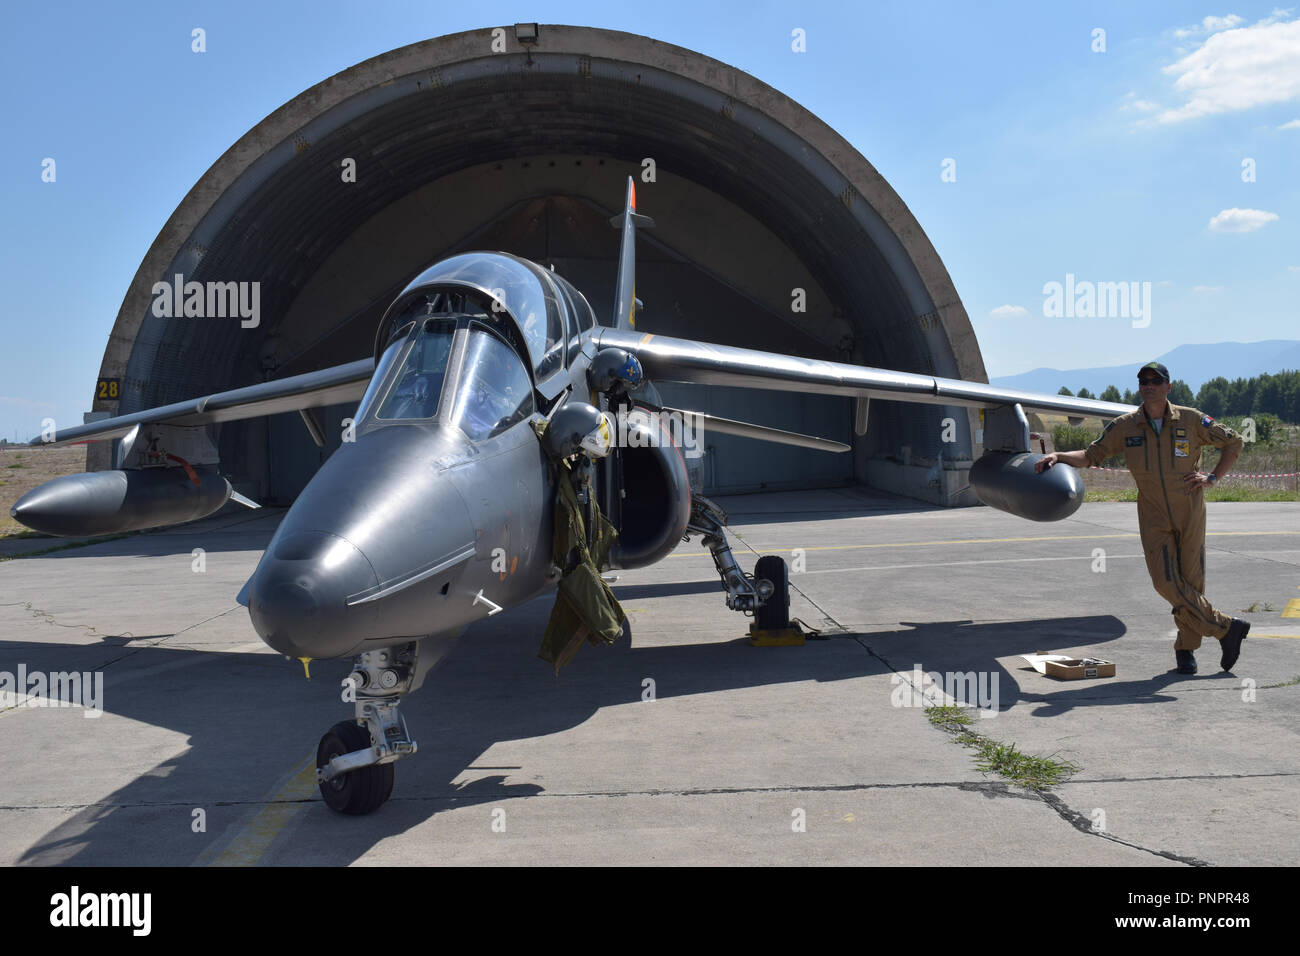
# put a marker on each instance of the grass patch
(1247, 493)
(1256, 607)
(1239, 493)
(949, 718)
(1025, 770)
(1033, 773)
(1107, 494)
(1290, 683)
(64, 547)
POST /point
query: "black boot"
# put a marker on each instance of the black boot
(1231, 642)
(1186, 662)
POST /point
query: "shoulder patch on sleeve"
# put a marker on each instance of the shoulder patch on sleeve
(1206, 421)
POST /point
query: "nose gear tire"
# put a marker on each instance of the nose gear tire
(359, 791)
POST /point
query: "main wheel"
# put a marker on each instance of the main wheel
(775, 614)
(357, 791)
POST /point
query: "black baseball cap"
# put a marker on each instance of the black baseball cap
(1154, 367)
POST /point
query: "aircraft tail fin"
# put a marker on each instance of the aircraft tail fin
(625, 300)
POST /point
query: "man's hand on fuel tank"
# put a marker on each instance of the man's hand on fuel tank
(1047, 461)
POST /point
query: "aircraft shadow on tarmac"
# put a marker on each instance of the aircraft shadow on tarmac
(250, 718)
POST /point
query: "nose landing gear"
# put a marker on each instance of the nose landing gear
(354, 760)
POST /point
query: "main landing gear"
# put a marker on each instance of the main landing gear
(354, 760)
(765, 593)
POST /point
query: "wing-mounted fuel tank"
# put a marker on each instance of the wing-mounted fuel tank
(157, 487)
(1005, 476)
(109, 502)
(1008, 482)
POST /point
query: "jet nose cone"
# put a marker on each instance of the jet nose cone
(298, 599)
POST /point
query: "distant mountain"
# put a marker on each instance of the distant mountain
(1194, 364)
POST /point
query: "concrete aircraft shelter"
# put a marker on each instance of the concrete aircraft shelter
(479, 141)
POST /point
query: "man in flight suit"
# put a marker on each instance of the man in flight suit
(1162, 445)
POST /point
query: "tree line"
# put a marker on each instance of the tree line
(1264, 394)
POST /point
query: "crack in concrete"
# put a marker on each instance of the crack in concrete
(990, 789)
(166, 637)
(1084, 825)
(1077, 820)
(48, 618)
(1256, 555)
(1195, 776)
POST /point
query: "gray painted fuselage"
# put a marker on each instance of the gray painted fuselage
(415, 529)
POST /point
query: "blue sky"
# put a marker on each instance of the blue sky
(1115, 165)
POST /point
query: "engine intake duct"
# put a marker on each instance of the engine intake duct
(656, 505)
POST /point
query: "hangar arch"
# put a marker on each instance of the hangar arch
(457, 146)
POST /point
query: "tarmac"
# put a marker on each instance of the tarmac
(684, 744)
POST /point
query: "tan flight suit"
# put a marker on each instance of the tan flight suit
(1172, 522)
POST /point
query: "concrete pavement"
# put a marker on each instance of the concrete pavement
(685, 745)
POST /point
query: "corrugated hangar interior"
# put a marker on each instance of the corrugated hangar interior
(479, 141)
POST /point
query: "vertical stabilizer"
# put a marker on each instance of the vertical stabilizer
(625, 302)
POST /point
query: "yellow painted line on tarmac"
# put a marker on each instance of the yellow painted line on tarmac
(251, 843)
(1292, 608)
(1054, 537)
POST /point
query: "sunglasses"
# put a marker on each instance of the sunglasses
(1151, 381)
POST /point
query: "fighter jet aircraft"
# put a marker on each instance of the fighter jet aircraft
(438, 509)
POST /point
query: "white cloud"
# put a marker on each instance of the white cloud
(1206, 289)
(1293, 268)
(1241, 220)
(1211, 25)
(1009, 312)
(1238, 68)
(1294, 124)
(1215, 24)
(1132, 102)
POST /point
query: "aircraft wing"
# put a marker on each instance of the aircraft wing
(682, 360)
(330, 386)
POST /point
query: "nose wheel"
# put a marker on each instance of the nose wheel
(355, 792)
(354, 760)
